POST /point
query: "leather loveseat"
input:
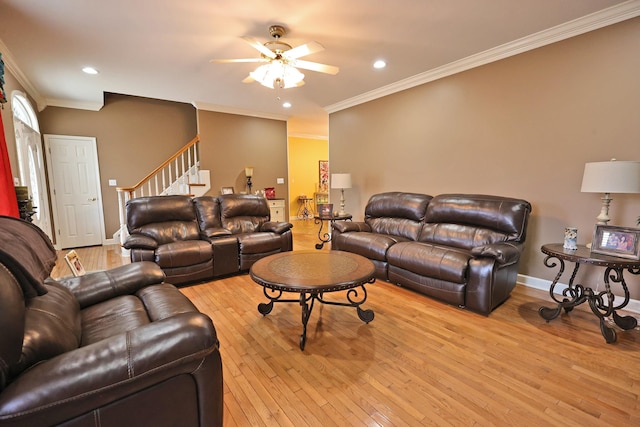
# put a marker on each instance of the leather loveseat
(463, 249)
(195, 239)
(111, 348)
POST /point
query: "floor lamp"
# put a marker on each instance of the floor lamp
(610, 177)
(341, 181)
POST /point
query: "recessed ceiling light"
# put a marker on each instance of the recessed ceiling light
(90, 70)
(379, 64)
(287, 105)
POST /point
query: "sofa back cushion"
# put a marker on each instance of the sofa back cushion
(51, 327)
(12, 318)
(243, 213)
(396, 213)
(163, 218)
(207, 212)
(470, 220)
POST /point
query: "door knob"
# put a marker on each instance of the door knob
(93, 199)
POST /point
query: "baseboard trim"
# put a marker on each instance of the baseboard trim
(544, 285)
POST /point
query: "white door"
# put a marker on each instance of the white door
(75, 190)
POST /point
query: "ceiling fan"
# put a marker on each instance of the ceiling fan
(281, 61)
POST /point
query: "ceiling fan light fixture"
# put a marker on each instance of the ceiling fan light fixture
(277, 74)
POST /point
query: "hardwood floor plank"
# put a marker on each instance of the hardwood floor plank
(419, 362)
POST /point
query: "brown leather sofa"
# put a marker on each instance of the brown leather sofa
(463, 249)
(195, 239)
(112, 348)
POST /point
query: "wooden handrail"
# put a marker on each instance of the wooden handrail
(159, 168)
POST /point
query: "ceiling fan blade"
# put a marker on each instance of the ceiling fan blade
(229, 61)
(314, 66)
(260, 47)
(248, 79)
(303, 50)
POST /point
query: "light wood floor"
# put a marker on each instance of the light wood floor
(419, 362)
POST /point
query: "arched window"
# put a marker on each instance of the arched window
(30, 157)
(22, 110)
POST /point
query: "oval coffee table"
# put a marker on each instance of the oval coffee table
(312, 274)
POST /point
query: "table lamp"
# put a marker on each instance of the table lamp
(610, 177)
(248, 172)
(341, 181)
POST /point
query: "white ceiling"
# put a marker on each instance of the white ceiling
(161, 48)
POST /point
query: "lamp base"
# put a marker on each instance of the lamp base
(603, 218)
(341, 211)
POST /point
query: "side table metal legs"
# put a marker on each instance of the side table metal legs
(601, 303)
(324, 238)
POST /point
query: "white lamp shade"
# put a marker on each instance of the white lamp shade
(340, 180)
(611, 177)
(248, 171)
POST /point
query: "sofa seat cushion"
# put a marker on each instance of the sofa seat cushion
(259, 242)
(183, 253)
(370, 245)
(112, 317)
(440, 262)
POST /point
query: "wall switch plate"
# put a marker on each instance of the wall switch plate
(280, 180)
(112, 183)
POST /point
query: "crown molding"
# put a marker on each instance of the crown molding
(594, 21)
(239, 111)
(78, 105)
(10, 64)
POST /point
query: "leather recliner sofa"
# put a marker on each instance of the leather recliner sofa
(463, 249)
(195, 239)
(112, 348)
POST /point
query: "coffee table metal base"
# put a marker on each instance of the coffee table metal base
(307, 300)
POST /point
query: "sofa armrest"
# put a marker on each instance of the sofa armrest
(345, 226)
(139, 241)
(91, 377)
(214, 232)
(504, 253)
(276, 227)
(103, 285)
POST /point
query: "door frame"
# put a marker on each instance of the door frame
(52, 194)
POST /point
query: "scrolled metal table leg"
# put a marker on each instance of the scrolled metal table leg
(306, 313)
(625, 322)
(265, 308)
(324, 238)
(608, 333)
(549, 314)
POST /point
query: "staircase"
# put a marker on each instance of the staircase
(179, 174)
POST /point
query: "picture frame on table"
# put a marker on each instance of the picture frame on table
(621, 242)
(325, 210)
(227, 190)
(74, 263)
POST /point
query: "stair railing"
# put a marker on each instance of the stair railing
(174, 176)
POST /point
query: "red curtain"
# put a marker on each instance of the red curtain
(8, 200)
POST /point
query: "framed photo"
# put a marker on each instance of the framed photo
(73, 261)
(323, 168)
(614, 241)
(325, 210)
(226, 190)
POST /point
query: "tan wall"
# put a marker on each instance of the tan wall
(522, 127)
(304, 155)
(231, 142)
(134, 135)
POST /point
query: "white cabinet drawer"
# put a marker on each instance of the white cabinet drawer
(276, 206)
